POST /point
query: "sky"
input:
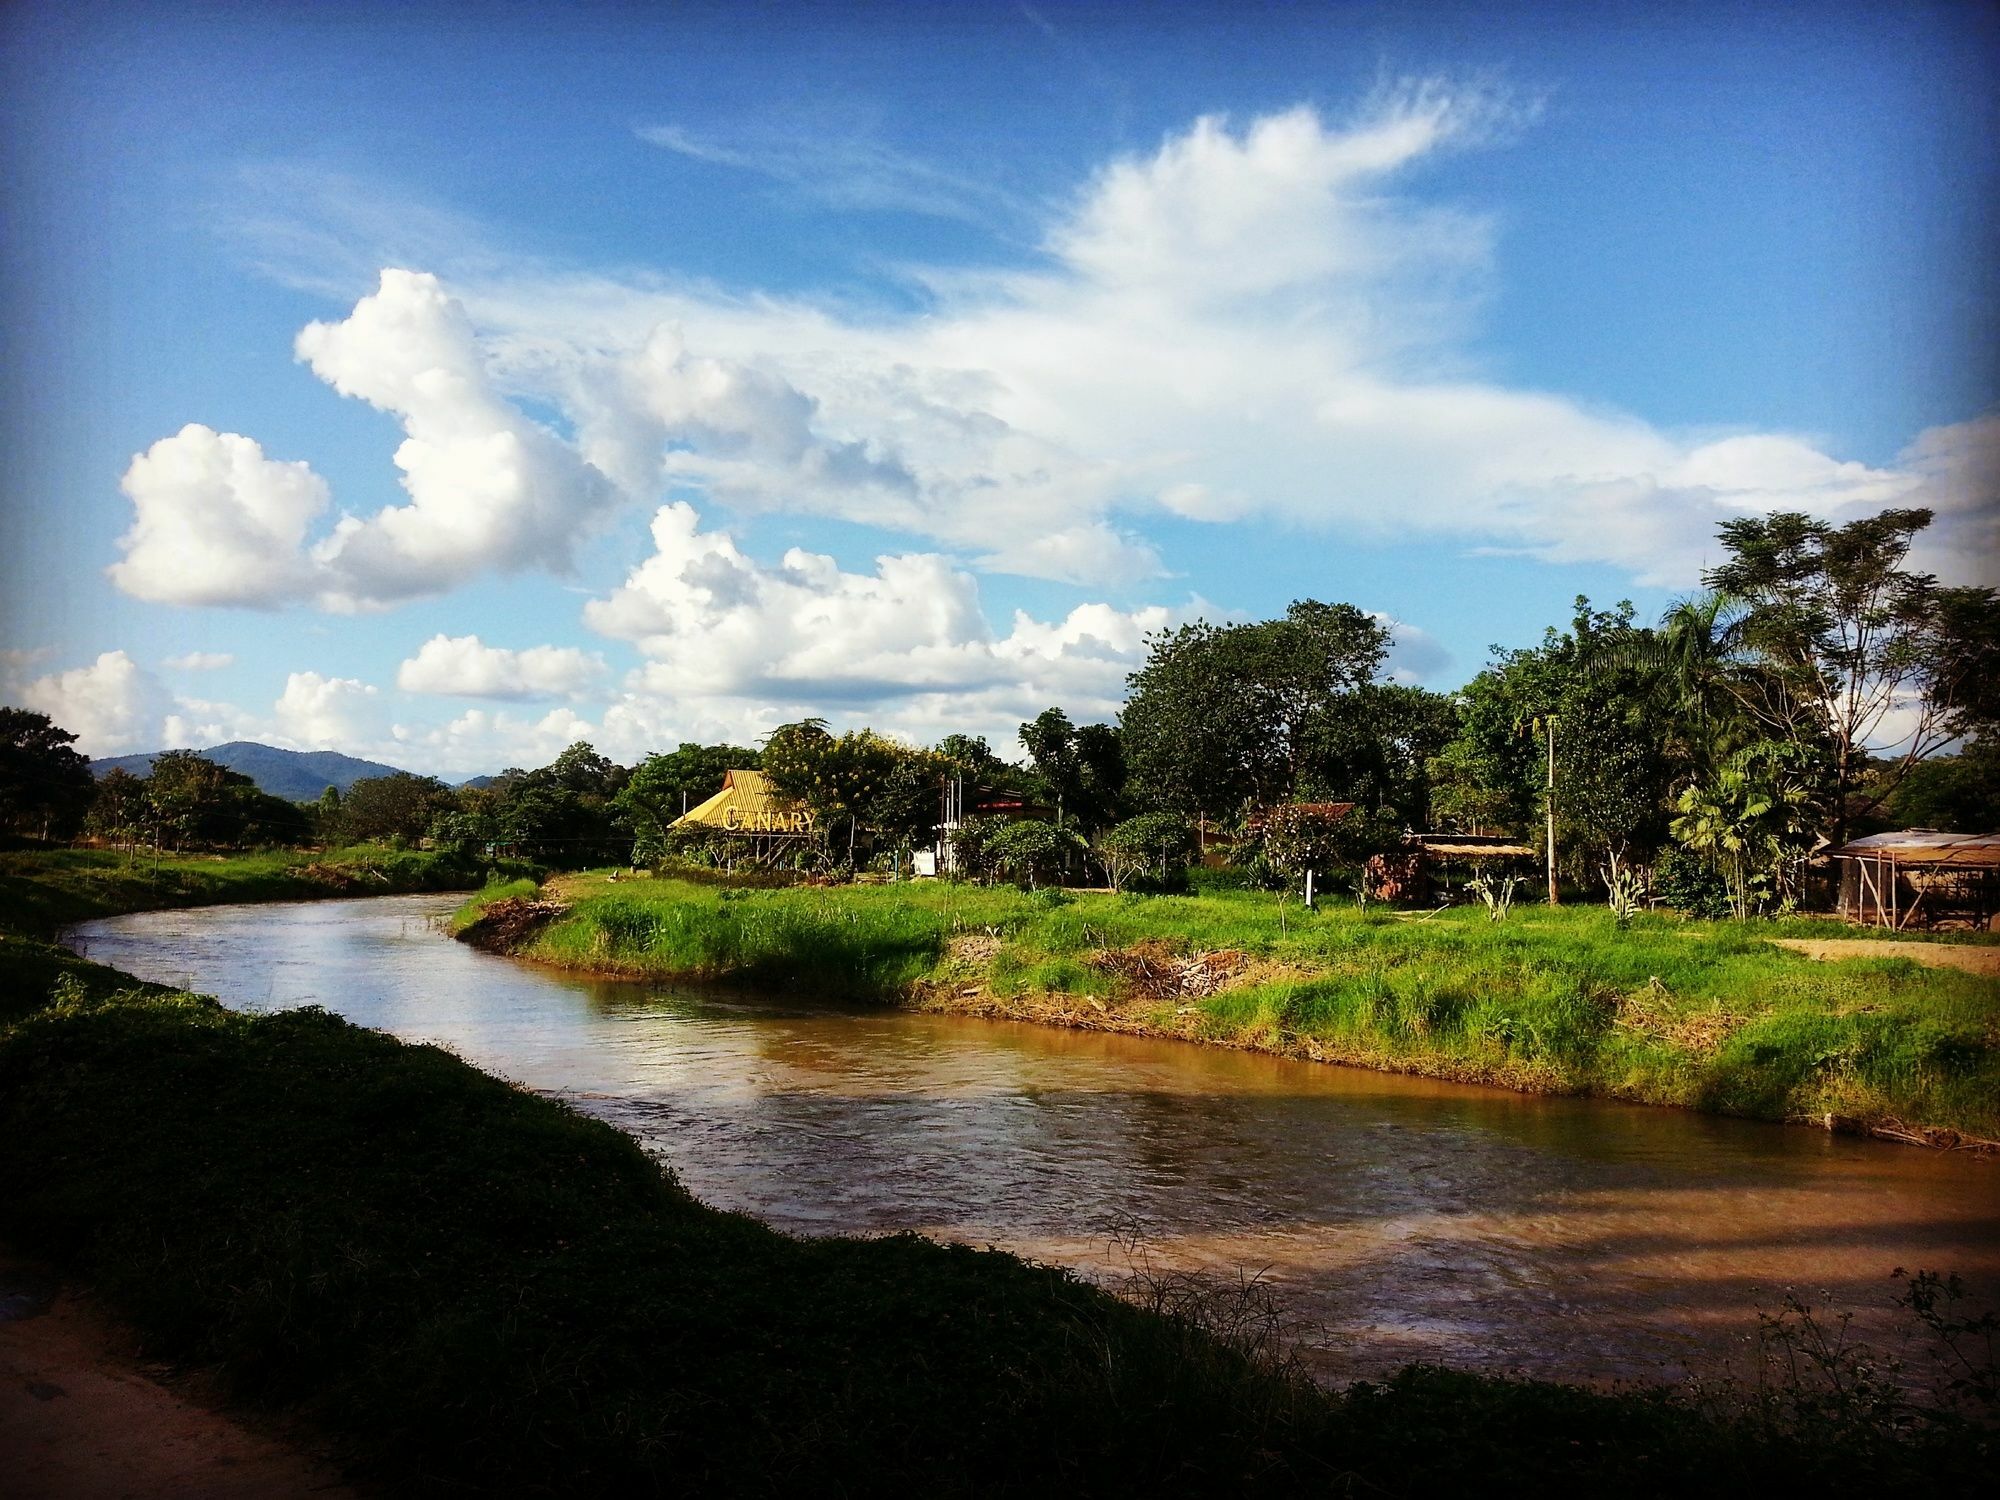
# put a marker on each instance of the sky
(445, 383)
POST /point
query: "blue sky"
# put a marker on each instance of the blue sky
(473, 379)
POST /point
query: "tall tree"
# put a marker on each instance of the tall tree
(1856, 648)
(1224, 716)
(45, 787)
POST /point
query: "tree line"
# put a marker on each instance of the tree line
(1718, 746)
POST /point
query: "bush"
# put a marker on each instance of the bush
(1031, 851)
(1689, 884)
(1151, 851)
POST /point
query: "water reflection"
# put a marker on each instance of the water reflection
(1399, 1218)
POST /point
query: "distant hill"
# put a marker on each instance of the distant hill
(297, 775)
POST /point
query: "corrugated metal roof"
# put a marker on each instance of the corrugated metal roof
(1924, 846)
(746, 804)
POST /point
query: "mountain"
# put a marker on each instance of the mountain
(298, 775)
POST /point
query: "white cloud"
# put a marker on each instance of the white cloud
(200, 661)
(489, 489)
(216, 522)
(1254, 320)
(1249, 321)
(324, 713)
(113, 706)
(466, 667)
(842, 169)
(738, 646)
(483, 742)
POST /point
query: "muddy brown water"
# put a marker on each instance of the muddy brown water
(1390, 1218)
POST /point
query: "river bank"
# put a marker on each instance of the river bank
(43, 891)
(469, 1285)
(1708, 1016)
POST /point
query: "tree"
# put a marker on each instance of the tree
(1612, 773)
(836, 778)
(1754, 822)
(1030, 851)
(45, 786)
(567, 812)
(1850, 642)
(1155, 846)
(1082, 771)
(187, 793)
(1223, 717)
(120, 810)
(397, 806)
(1952, 793)
(663, 786)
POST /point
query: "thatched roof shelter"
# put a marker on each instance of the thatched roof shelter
(747, 805)
(1917, 877)
(1468, 846)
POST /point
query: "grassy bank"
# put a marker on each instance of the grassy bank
(1703, 1015)
(44, 890)
(474, 1288)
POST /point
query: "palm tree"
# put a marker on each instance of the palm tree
(1702, 670)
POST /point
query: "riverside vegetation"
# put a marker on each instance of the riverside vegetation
(469, 1287)
(1663, 1010)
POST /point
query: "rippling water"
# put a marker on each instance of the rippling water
(1392, 1218)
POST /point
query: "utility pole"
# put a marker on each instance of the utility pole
(1551, 804)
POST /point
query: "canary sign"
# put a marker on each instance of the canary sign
(764, 820)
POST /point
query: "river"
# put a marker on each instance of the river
(1390, 1219)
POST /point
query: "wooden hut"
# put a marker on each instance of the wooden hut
(1917, 877)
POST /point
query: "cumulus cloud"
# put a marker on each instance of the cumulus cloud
(489, 488)
(315, 712)
(1258, 319)
(112, 706)
(739, 646)
(217, 522)
(486, 741)
(466, 667)
(1261, 319)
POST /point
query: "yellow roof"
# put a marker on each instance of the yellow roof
(746, 804)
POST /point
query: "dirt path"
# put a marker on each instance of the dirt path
(81, 1419)
(1974, 960)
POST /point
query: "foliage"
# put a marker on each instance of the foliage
(1082, 771)
(1030, 852)
(120, 811)
(566, 813)
(1496, 892)
(663, 786)
(837, 777)
(384, 808)
(971, 847)
(1844, 636)
(1295, 837)
(1755, 821)
(1624, 889)
(1153, 848)
(1610, 772)
(45, 786)
(1953, 793)
(1690, 884)
(1221, 716)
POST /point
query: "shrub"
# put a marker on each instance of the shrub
(1153, 849)
(1031, 851)
(1689, 884)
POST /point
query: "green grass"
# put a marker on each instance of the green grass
(474, 1289)
(1709, 1016)
(44, 890)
